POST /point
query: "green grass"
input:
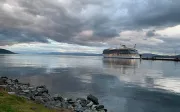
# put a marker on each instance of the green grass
(12, 103)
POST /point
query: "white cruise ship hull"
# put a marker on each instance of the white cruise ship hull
(122, 56)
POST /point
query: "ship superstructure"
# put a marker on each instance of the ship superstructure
(124, 52)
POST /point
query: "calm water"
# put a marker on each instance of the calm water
(121, 85)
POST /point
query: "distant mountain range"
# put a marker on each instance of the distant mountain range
(4, 51)
(147, 55)
(76, 54)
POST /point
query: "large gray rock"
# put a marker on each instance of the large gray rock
(70, 101)
(26, 91)
(70, 107)
(3, 80)
(58, 98)
(90, 104)
(9, 82)
(42, 89)
(23, 87)
(16, 81)
(78, 108)
(82, 101)
(93, 99)
(99, 107)
(4, 77)
(46, 97)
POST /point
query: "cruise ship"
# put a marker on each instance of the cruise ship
(123, 53)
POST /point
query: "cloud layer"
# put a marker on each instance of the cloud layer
(88, 22)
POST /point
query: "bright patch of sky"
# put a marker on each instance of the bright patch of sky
(52, 46)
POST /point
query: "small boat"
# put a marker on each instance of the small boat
(123, 53)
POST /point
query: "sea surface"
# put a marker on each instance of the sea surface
(121, 85)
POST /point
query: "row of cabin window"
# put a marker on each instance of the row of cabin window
(121, 52)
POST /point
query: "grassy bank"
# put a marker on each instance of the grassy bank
(13, 103)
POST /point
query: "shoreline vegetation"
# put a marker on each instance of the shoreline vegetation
(13, 103)
(20, 97)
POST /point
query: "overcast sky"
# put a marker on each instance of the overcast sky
(89, 25)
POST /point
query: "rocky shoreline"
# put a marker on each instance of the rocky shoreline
(40, 94)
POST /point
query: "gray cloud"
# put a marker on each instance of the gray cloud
(106, 33)
(38, 19)
(151, 33)
(156, 13)
(14, 36)
(62, 21)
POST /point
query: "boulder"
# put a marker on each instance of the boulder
(99, 107)
(78, 108)
(9, 82)
(3, 81)
(70, 101)
(46, 97)
(90, 104)
(26, 91)
(58, 98)
(93, 99)
(82, 101)
(93, 107)
(42, 89)
(16, 81)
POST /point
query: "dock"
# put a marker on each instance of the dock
(163, 59)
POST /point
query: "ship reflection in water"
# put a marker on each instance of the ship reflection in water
(122, 85)
(113, 62)
(120, 65)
